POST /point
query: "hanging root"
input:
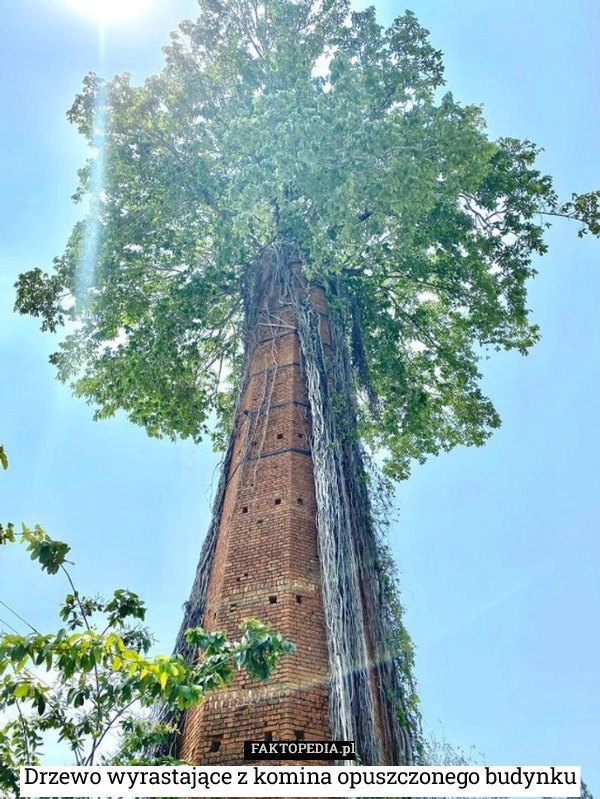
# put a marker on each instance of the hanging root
(357, 621)
(354, 606)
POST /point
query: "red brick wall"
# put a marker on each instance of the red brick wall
(266, 564)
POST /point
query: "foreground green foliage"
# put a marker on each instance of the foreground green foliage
(91, 683)
(305, 123)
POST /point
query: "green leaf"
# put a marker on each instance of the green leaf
(7, 534)
(389, 189)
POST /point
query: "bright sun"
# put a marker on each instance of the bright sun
(109, 10)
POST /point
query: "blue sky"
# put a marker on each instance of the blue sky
(498, 547)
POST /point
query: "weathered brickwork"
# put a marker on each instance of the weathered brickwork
(266, 564)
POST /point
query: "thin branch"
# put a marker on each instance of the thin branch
(89, 629)
(97, 741)
(14, 612)
(24, 730)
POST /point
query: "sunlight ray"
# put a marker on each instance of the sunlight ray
(104, 11)
(92, 228)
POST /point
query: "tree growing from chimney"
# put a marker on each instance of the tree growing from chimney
(281, 132)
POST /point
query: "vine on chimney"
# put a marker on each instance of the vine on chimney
(363, 611)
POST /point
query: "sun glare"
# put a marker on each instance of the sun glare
(104, 11)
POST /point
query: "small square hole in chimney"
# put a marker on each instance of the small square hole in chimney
(280, 435)
(298, 599)
(215, 743)
(245, 509)
(300, 501)
(278, 501)
(273, 600)
(268, 735)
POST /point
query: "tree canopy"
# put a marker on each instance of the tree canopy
(308, 123)
(91, 683)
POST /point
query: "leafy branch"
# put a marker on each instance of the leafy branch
(99, 677)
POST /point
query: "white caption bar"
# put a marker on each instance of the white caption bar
(298, 781)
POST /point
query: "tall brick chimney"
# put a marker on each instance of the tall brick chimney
(266, 563)
(261, 558)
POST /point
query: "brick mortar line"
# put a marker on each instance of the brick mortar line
(297, 403)
(238, 697)
(289, 307)
(297, 450)
(276, 367)
(261, 455)
(290, 331)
